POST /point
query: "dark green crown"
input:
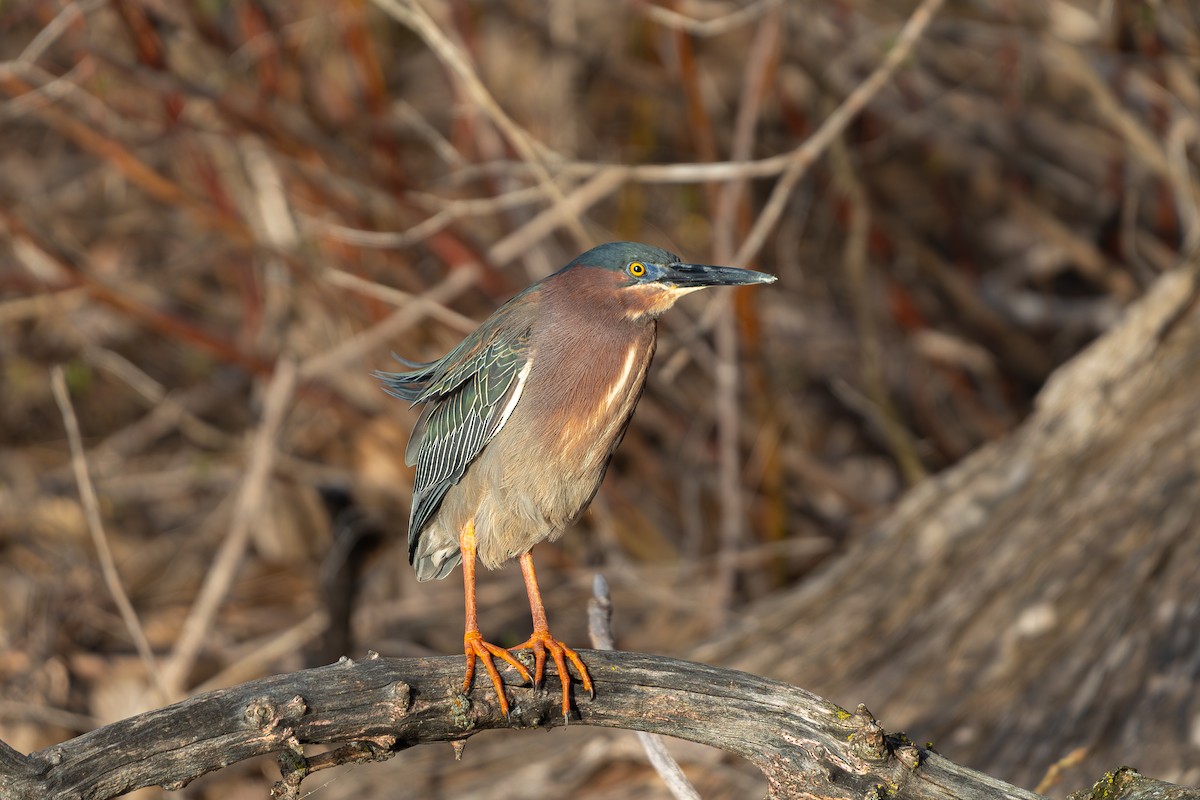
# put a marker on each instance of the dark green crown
(618, 255)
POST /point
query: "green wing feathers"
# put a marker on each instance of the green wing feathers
(468, 395)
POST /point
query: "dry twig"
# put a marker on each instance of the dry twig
(91, 508)
(250, 503)
(600, 631)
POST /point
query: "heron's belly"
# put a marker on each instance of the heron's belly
(518, 495)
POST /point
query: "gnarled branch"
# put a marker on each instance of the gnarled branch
(805, 746)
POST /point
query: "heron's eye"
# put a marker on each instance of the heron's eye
(637, 269)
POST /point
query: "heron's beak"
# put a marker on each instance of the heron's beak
(694, 276)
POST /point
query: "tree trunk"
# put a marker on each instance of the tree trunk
(1043, 595)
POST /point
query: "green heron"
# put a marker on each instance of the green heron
(521, 419)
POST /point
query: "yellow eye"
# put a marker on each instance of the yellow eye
(637, 269)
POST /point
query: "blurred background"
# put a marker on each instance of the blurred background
(219, 217)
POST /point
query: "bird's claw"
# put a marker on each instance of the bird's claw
(475, 647)
(541, 641)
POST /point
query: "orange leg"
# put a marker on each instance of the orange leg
(541, 641)
(473, 644)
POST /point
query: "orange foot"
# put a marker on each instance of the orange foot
(541, 641)
(475, 647)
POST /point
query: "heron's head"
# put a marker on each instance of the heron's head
(646, 280)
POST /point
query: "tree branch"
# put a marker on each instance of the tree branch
(804, 745)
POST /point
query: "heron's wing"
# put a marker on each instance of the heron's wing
(469, 396)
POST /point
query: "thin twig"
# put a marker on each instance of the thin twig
(32, 711)
(66, 89)
(412, 16)
(763, 51)
(854, 258)
(107, 148)
(385, 240)
(262, 658)
(600, 631)
(422, 127)
(399, 297)
(583, 198)
(274, 210)
(728, 395)
(1182, 132)
(45, 304)
(47, 36)
(446, 212)
(804, 156)
(250, 503)
(168, 411)
(91, 509)
(1140, 143)
(349, 351)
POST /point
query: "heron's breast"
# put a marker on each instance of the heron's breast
(602, 407)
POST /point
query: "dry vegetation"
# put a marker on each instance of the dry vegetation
(219, 217)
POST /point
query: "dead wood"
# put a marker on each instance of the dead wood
(1047, 583)
(804, 745)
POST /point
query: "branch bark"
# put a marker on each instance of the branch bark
(805, 746)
